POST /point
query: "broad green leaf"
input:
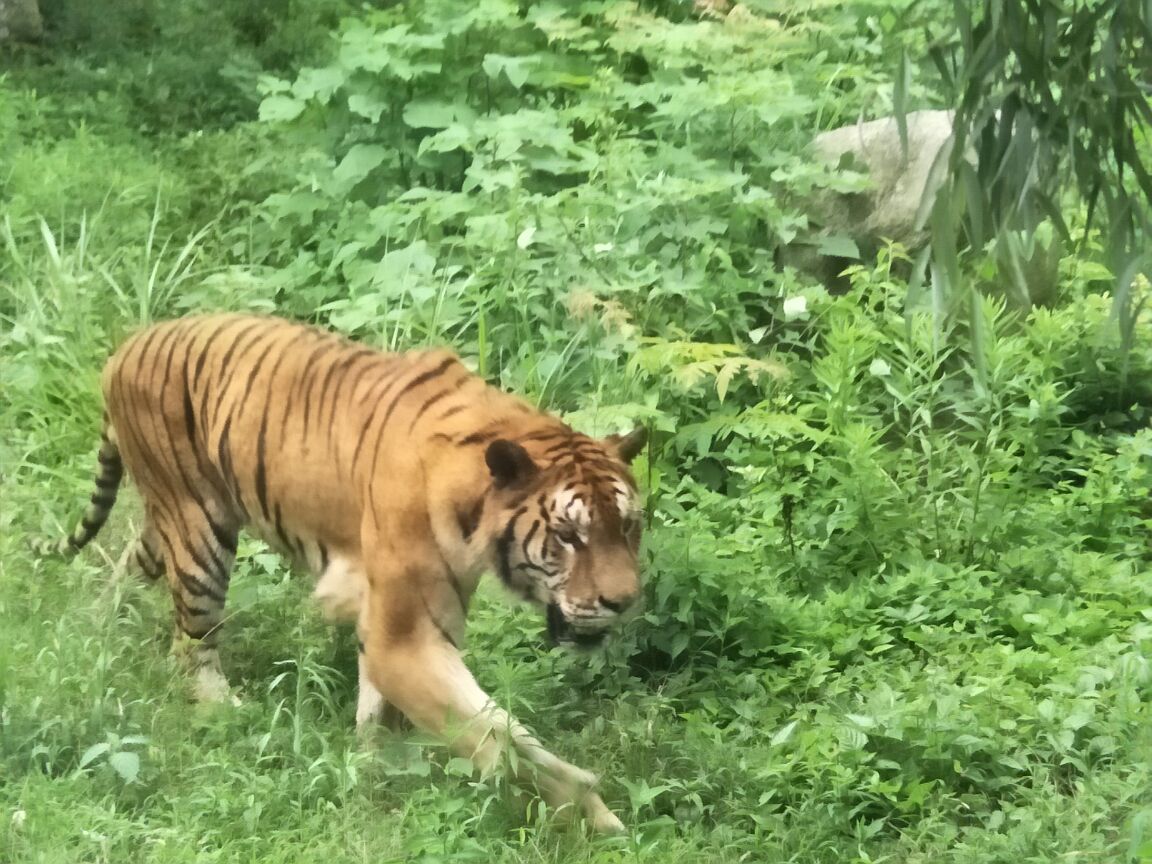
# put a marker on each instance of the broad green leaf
(455, 137)
(459, 766)
(838, 245)
(364, 47)
(126, 764)
(640, 794)
(280, 108)
(783, 734)
(367, 105)
(93, 753)
(436, 114)
(516, 68)
(301, 205)
(852, 738)
(359, 162)
(318, 83)
(398, 268)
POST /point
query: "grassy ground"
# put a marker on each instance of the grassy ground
(695, 771)
(926, 714)
(897, 611)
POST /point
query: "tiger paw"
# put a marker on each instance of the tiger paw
(599, 818)
(211, 687)
(607, 823)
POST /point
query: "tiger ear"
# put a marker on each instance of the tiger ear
(630, 445)
(509, 463)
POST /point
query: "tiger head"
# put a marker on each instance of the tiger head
(569, 523)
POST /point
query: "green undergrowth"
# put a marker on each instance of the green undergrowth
(898, 566)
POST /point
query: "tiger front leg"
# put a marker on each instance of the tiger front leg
(339, 592)
(428, 681)
(371, 709)
(411, 620)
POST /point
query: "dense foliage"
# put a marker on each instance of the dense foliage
(1053, 99)
(899, 572)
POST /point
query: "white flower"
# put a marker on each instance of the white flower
(880, 368)
(795, 307)
(18, 819)
(525, 238)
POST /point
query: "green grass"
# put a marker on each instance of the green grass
(699, 773)
(928, 714)
(899, 597)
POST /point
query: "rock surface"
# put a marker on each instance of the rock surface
(20, 21)
(891, 208)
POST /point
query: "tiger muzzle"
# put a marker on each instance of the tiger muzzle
(561, 631)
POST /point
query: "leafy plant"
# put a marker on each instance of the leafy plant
(897, 604)
(116, 755)
(1051, 100)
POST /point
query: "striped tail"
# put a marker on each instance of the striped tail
(101, 502)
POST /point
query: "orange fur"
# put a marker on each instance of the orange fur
(397, 479)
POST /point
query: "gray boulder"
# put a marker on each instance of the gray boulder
(20, 21)
(902, 188)
(901, 183)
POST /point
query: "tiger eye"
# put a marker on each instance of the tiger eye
(567, 535)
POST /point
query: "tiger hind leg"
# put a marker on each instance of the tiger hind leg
(144, 554)
(198, 551)
(147, 555)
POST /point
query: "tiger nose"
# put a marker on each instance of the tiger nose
(617, 604)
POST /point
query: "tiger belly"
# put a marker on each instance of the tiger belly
(341, 589)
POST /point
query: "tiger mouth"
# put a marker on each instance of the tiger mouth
(561, 631)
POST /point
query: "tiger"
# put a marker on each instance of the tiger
(397, 480)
